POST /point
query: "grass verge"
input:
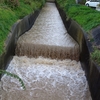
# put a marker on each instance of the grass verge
(9, 14)
(88, 18)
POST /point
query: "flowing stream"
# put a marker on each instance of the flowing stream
(47, 60)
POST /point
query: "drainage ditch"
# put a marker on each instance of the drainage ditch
(47, 60)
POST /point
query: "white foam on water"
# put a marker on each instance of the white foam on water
(45, 79)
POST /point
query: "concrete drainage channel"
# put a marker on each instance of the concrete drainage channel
(47, 60)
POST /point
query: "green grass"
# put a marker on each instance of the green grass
(7, 18)
(88, 18)
(9, 15)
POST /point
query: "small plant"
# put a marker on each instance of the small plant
(14, 76)
(96, 55)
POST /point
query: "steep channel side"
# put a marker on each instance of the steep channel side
(92, 71)
(76, 32)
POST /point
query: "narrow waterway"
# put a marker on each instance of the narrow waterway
(48, 37)
(47, 60)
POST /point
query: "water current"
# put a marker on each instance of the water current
(48, 37)
(47, 60)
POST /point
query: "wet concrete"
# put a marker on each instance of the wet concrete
(48, 37)
(46, 78)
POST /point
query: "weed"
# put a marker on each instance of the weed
(14, 76)
(96, 55)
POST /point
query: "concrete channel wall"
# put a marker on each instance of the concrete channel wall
(91, 69)
(17, 30)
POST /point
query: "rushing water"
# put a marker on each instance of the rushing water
(45, 79)
(60, 78)
(48, 37)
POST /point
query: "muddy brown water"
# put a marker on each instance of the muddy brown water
(47, 60)
(48, 37)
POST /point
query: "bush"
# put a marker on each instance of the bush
(96, 55)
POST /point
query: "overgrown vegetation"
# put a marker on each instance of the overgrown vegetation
(11, 11)
(87, 17)
(14, 76)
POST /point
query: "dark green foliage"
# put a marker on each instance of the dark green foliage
(96, 55)
(12, 3)
(14, 76)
